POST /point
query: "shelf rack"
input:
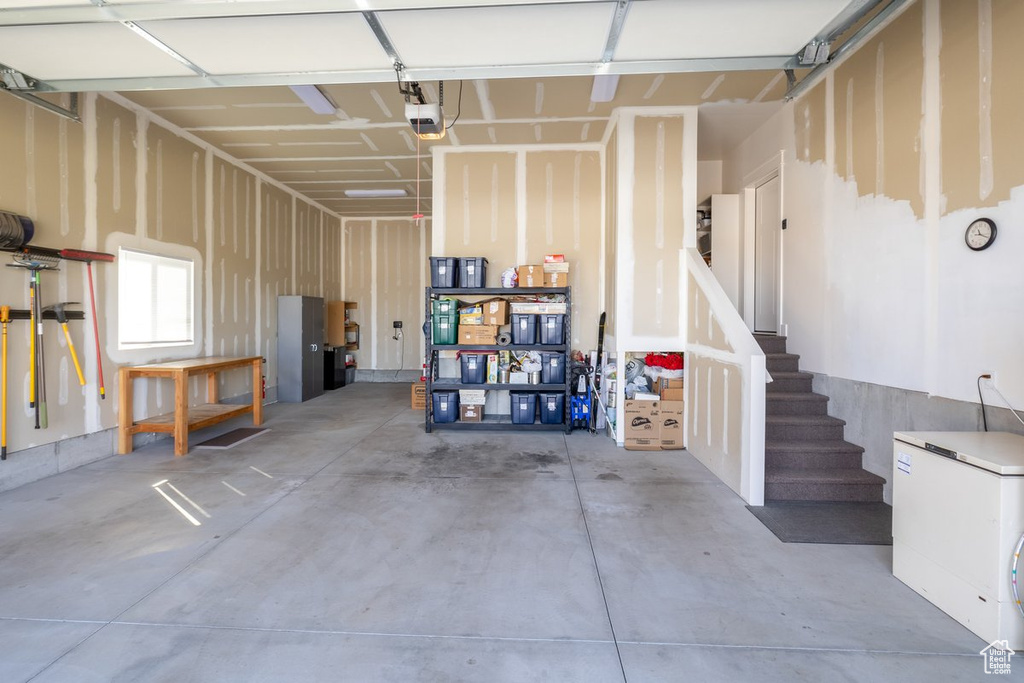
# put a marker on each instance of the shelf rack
(495, 422)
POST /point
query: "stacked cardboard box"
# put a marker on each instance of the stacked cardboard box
(481, 335)
(643, 429)
(653, 425)
(670, 389)
(556, 271)
(495, 312)
(530, 276)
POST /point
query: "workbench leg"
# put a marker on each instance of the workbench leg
(180, 414)
(257, 392)
(211, 388)
(125, 411)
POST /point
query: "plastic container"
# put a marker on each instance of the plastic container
(445, 405)
(552, 367)
(445, 328)
(472, 272)
(474, 368)
(524, 328)
(444, 307)
(552, 407)
(444, 271)
(552, 328)
(523, 407)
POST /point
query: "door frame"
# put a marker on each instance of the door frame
(771, 168)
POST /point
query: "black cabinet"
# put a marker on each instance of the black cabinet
(300, 344)
(495, 422)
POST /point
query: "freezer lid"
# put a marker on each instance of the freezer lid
(998, 452)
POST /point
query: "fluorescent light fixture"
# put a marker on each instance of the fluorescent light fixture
(375, 193)
(315, 99)
(604, 87)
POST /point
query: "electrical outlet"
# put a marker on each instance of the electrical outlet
(990, 377)
(397, 324)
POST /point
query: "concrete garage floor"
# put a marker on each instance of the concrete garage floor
(348, 545)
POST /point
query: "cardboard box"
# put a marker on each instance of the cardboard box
(419, 396)
(556, 279)
(336, 323)
(554, 258)
(495, 312)
(471, 315)
(642, 425)
(478, 334)
(665, 383)
(492, 368)
(518, 378)
(670, 415)
(672, 394)
(559, 267)
(472, 397)
(530, 276)
(471, 413)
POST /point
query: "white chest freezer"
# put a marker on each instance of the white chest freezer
(957, 514)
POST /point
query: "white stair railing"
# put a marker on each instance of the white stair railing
(725, 394)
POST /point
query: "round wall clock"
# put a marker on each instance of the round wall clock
(981, 233)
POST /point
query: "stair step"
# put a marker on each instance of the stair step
(782, 362)
(823, 484)
(789, 382)
(802, 428)
(771, 343)
(812, 455)
(795, 403)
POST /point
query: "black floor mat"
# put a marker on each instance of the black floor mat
(233, 438)
(841, 523)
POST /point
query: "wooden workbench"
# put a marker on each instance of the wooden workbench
(186, 418)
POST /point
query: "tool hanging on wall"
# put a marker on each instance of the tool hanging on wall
(37, 384)
(5, 316)
(62, 318)
(44, 420)
(96, 330)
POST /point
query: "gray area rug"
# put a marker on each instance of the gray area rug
(828, 522)
(233, 438)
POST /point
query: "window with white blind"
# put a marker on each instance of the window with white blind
(154, 300)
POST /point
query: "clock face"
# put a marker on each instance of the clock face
(980, 234)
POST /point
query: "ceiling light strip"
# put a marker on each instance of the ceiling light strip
(163, 47)
(615, 31)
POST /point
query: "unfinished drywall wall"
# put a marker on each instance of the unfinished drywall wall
(879, 287)
(563, 216)
(611, 194)
(657, 224)
(481, 209)
(386, 271)
(515, 205)
(124, 178)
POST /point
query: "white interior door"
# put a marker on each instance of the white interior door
(767, 239)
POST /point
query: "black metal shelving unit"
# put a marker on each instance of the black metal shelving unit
(495, 422)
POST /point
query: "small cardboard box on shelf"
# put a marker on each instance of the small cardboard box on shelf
(478, 334)
(471, 413)
(495, 312)
(472, 397)
(530, 276)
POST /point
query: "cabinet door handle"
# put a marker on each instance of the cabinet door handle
(313, 347)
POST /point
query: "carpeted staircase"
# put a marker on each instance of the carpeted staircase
(805, 455)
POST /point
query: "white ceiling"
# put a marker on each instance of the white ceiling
(525, 69)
